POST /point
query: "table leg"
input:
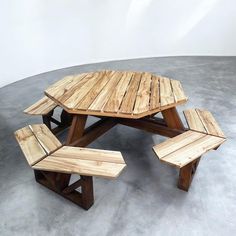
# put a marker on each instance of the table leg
(172, 118)
(77, 128)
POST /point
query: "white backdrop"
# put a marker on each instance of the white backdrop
(41, 35)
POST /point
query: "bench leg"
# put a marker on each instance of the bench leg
(84, 199)
(186, 174)
(47, 119)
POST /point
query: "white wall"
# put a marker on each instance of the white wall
(42, 35)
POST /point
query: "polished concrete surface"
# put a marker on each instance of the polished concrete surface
(144, 200)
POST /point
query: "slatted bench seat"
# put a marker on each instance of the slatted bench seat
(46, 155)
(203, 121)
(185, 150)
(45, 107)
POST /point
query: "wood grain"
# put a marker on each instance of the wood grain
(41, 107)
(124, 94)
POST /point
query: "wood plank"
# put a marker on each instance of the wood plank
(114, 102)
(187, 154)
(177, 91)
(74, 96)
(130, 96)
(166, 93)
(193, 120)
(155, 93)
(41, 107)
(61, 88)
(93, 93)
(106, 93)
(31, 148)
(210, 123)
(173, 144)
(89, 154)
(81, 167)
(45, 137)
(143, 95)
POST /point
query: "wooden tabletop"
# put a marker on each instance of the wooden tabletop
(122, 94)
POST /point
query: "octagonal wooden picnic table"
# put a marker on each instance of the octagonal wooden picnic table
(129, 98)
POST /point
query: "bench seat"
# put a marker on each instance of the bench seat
(203, 121)
(42, 107)
(45, 153)
(185, 148)
(45, 107)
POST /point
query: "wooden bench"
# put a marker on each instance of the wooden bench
(185, 150)
(45, 107)
(203, 121)
(54, 163)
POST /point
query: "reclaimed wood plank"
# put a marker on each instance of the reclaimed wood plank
(178, 91)
(41, 107)
(143, 94)
(93, 93)
(89, 154)
(106, 93)
(74, 96)
(114, 102)
(45, 137)
(81, 167)
(193, 120)
(155, 93)
(130, 96)
(194, 150)
(210, 123)
(30, 146)
(166, 93)
(173, 144)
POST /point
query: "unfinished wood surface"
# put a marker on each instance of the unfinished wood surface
(41, 107)
(45, 137)
(203, 121)
(166, 94)
(183, 149)
(30, 146)
(116, 94)
(86, 162)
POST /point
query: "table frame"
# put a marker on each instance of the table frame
(170, 126)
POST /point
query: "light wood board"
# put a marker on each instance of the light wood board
(125, 94)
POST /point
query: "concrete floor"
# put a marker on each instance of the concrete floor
(144, 200)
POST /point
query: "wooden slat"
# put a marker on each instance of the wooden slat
(173, 144)
(30, 146)
(89, 154)
(118, 93)
(74, 96)
(178, 91)
(106, 93)
(130, 96)
(188, 153)
(41, 107)
(60, 89)
(81, 167)
(93, 93)
(155, 93)
(143, 95)
(166, 93)
(45, 138)
(210, 123)
(193, 120)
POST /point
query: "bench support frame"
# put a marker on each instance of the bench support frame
(186, 174)
(79, 136)
(84, 199)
